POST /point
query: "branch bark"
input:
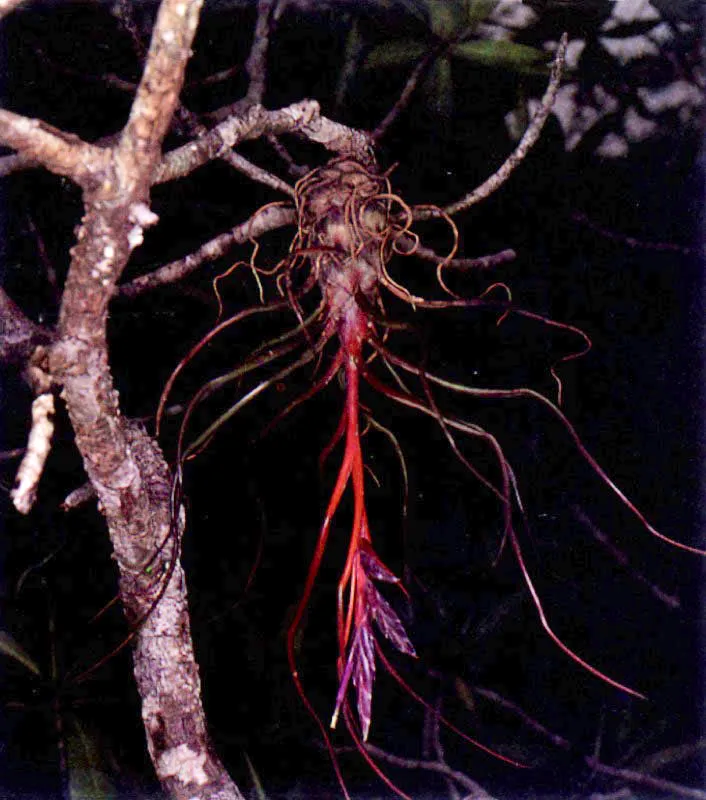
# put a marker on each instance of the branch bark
(124, 465)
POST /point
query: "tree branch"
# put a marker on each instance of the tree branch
(630, 776)
(528, 140)
(267, 219)
(303, 118)
(476, 791)
(62, 153)
(124, 465)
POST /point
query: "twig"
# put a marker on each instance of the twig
(438, 747)
(495, 181)
(621, 557)
(629, 241)
(477, 792)
(403, 100)
(628, 775)
(78, 496)
(31, 467)
(303, 118)
(10, 455)
(295, 170)
(267, 219)
(256, 173)
(256, 65)
(482, 262)
(189, 123)
(650, 781)
(530, 722)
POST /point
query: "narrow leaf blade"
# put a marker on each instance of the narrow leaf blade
(10, 648)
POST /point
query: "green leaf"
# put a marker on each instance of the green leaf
(478, 10)
(9, 647)
(447, 18)
(393, 54)
(500, 54)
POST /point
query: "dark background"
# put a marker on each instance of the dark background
(635, 400)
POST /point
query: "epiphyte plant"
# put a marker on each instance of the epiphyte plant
(335, 280)
(353, 306)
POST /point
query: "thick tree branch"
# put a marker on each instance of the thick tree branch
(60, 152)
(123, 463)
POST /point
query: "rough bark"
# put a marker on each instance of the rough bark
(125, 466)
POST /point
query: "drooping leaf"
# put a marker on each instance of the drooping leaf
(500, 54)
(10, 648)
(388, 622)
(394, 54)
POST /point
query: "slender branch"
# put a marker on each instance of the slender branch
(191, 123)
(495, 181)
(188, 122)
(256, 65)
(622, 558)
(250, 125)
(482, 262)
(31, 467)
(628, 775)
(256, 173)
(403, 100)
(477, 792)
(303, 118)
(267, 219)
(670, 788)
